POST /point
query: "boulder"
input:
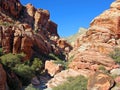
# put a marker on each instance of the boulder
(100, 81)
(117, 79)
(53, 68)
(35, 81)
(115, 71)
(61, 77)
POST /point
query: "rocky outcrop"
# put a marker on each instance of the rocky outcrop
(32, 33)
(2, 78)
(92, 48)
(52, 68)
(92, 60)
(61, 77)
(100, 81)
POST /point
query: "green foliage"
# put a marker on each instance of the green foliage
(31, 87)
(10, 60)
(55, 57)
(76, 83)
(24, 70)
(6, 23)
(1, 53)
(101, 67)
(36, 64)
(116, 55)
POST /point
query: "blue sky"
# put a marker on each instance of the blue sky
(70, 15)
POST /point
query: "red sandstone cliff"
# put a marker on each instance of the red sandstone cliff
(27, 29)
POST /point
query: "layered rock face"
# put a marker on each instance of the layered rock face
(100, 81)
(27, 29)
(92, 48)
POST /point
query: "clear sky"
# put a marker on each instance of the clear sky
(70, 15)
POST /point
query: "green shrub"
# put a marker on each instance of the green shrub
(24, 70)
(103, 69)
(31, 87)
(55, 57)
(36, 64)
(10, 60)
(76, 83)
(1, 53)
(116, 55)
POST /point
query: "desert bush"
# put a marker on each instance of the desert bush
(24, 70)
(116, 55)
(103, 69)
(36, 64)
(10, 60)
(76, 83)
(1, 53)
(31, 87)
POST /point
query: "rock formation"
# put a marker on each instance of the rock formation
(93, 47)
(28, 30)
(52, 68)
(61, 77)
(100, 81)
(11, 7)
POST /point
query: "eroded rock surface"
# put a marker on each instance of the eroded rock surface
(92, 48)
(100, 81)
(32, 33)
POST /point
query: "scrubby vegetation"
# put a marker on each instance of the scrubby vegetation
(19, 72)
(31, 87)
(76, 83)
(116, 55)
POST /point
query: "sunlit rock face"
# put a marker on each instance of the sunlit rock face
(92, 48)
(28, 30)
